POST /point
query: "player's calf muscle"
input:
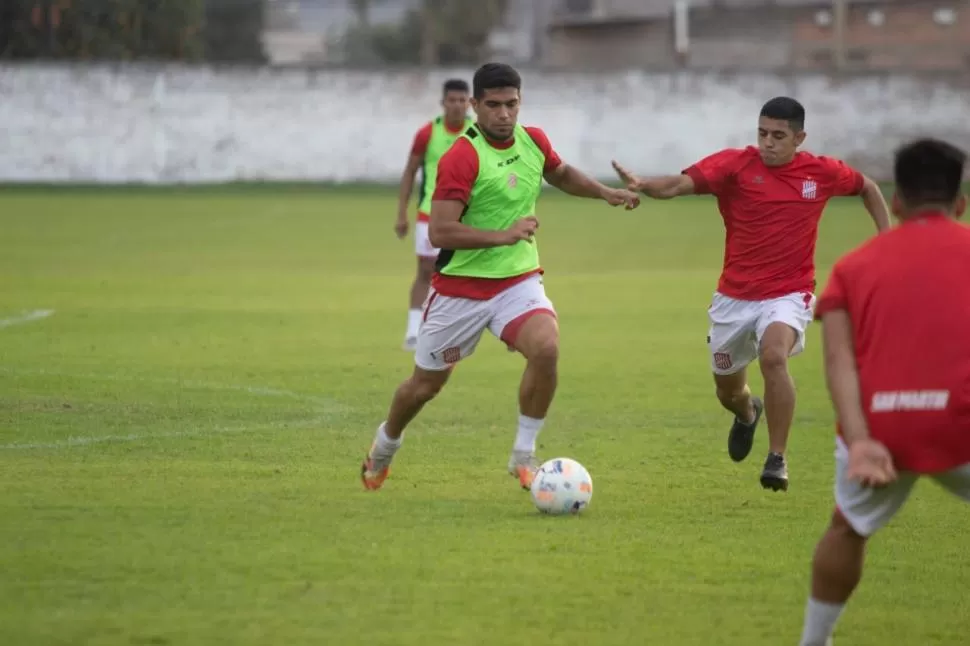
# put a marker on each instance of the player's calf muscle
(733, 392)
(837, 563)
(538, 341)
(734, 396)
(737, 402)
(734, 383)
(424, 389)
(411, 396)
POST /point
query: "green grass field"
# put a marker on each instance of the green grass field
(180, 442)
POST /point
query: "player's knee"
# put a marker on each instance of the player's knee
(774, 358)
(544, 352)
(840, 527)
(425, 389)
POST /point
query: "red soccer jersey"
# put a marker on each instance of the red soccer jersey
(907, 295)
(457, 172)
(771, 217)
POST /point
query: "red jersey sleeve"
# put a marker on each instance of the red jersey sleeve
(553, 161)
(712, 174)
(845, 179)
(421, 139)
(835, 296)
(457, 172)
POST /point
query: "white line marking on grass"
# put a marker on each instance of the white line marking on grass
(260, 391)
(328, 410)
(26, 317)
(137, 437)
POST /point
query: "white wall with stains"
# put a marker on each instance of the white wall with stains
(173, 125)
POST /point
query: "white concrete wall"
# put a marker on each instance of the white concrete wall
(161, 125)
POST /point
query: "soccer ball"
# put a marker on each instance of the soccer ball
(562, 486)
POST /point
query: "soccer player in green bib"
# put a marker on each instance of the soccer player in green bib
(431, 142)
(488, 275)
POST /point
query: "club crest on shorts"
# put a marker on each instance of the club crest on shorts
(722, 360)
(451, 355)
(513, 180)
(809, 189)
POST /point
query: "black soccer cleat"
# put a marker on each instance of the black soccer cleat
(775, 474)
(741, 437)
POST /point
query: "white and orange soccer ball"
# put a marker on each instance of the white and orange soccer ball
(562, 486)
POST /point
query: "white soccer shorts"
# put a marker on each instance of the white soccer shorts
(737, 327)
(867, 509)
(452, 327)
(422, 241)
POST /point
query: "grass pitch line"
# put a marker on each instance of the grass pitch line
(26, 317)
(329, 405)
(139, 437)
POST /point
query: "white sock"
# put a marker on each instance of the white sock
(414, 322)
(385, 447)
(820, 618)
(525, 439)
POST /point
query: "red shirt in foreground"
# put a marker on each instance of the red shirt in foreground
(457, 172)
(907, 293)
(419, 148)
(771, 216)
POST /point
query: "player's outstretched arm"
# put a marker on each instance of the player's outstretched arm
(659, 188)
(573, 181)
(875, 203)
(446, 230)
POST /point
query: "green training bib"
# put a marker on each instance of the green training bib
(507, 187)
(439, 143)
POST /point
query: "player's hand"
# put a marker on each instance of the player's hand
(401, 226)
(870, 464)
(632, 181)
(523, 229)
(618, 196)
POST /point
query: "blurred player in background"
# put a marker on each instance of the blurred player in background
(771, 198)
(430, 143)
(488, 273)
(895, 315)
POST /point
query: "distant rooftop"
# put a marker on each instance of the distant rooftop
(328, 15)
(592, 11)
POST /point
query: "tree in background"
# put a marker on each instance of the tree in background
(183, 30)
(455, 31)
(435, 32)
(234, 31)
(361, 11)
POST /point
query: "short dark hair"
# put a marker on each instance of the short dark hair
(785, 108)
(492, 76)
(929, 171)
(455, 85)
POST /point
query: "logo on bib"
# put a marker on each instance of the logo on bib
(513, 180)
